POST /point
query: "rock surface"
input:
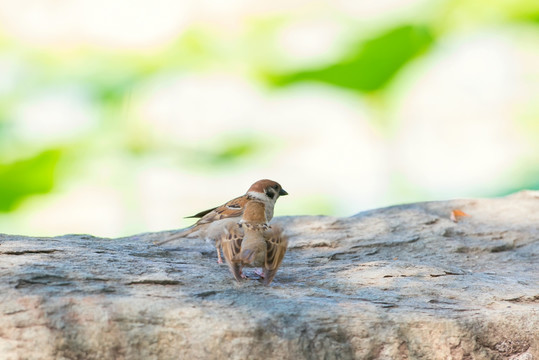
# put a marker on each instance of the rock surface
(403, 282)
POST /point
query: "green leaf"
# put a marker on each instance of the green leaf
(23, 178)
(372, 64)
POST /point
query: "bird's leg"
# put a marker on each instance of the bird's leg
(242, 274)
(219, 258)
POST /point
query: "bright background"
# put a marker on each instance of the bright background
(123, 116)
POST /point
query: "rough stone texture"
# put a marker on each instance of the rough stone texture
(403, 282)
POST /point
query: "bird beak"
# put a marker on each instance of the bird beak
(282, 192)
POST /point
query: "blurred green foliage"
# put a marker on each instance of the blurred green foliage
(26, 177)
(372, 64)
(108, 79)
(224, 152)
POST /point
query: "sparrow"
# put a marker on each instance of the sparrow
(252, 242)
(212, 222)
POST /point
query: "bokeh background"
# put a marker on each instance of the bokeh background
(123, 116)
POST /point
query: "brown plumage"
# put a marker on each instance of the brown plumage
(253, 243)
(213, 221)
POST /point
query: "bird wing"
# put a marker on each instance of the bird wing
(231, 243)
(233, 208)
(277, 244)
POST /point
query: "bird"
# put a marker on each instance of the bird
(252, 242)
(212, 221)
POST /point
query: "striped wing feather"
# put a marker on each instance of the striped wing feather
(231, 243)
(233, 208)
(277, 244)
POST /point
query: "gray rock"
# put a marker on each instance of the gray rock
(403, 282)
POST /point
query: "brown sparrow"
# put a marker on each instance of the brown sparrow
(252, 242)
(213, 221)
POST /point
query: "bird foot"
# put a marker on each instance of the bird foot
(260, 272)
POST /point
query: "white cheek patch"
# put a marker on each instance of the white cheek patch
(258, 196)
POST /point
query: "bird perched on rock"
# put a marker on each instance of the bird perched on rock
(213, 221)
(252, 242)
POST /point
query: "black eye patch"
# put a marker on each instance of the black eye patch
(269, 193)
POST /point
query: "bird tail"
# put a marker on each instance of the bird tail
(182, 234)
